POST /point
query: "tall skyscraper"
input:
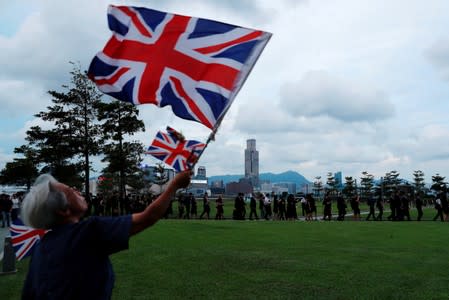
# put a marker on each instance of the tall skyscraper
(201, 172)
(252, 162)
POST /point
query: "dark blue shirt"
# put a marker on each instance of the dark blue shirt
(72, 261)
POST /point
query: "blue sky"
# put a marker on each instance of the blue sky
(345, 85)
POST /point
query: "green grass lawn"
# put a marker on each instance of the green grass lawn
(196, 259)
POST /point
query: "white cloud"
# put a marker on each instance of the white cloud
(438, 54)
(319, 93)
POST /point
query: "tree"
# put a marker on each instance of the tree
(438, 184)
(317, 186)
(331, 182)
(54, 152)
(21, 171)
(418, 179)
(119, 120)
(76, 133)
(390, 182)
(349, 188)
(367, 183)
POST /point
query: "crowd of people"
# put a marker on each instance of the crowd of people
(9, 207)
(264, 206)
(285, 207)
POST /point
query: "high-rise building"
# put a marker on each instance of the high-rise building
(201, 171)
(252, 162)
(338, 180)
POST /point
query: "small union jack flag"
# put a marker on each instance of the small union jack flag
(196, 66)
(174, 150)
(24, 238)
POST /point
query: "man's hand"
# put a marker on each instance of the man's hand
(182, 179)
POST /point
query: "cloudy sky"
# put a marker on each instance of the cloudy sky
(343, 85)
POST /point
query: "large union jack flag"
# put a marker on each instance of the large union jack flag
(24, 238)
(196, 66)
(174, 150)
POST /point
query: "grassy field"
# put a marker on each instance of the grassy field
(278, 260)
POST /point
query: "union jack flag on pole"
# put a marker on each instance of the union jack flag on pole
(196, 66)
(174, 150)
(24, 238)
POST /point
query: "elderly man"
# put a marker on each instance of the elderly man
(72, 259)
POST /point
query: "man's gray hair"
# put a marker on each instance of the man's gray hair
(41, 204)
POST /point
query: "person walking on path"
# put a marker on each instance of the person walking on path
(219, 207)
(372, 211)
(327, 207)
(6, 205)
(341, 207)
(355, 204)
(253, 208)
(439, 210)
(206, 206)
(380, 208)
(419, 205)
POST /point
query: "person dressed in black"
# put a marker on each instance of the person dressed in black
(397, 206)
(327, 207)
(312, 206)
(372, 211)
(253, 208)
(275, 207)
(355, 204)
(239, 207)
(281, 207)
(219, 206)
(267, 207)
(392, 215)
(341, 207)
(187, 203)
(439, 210)
(405, 206)
(292, 214)
(307, 200)
(193, 207)
(6, 207)
(181, 207)
(419, 204)
(380, 208)
(444, 204)
(261, 206)
(206, 206)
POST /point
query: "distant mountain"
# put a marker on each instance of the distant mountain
(289, 176)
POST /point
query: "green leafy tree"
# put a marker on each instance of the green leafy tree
(418, 180)
(438, 184)
(21, 171)
(349, 189)
(318, 186)
(331, 182)
(367, 183)
(55, 153)
(68, 146)
(119, 120)
(390, 182)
